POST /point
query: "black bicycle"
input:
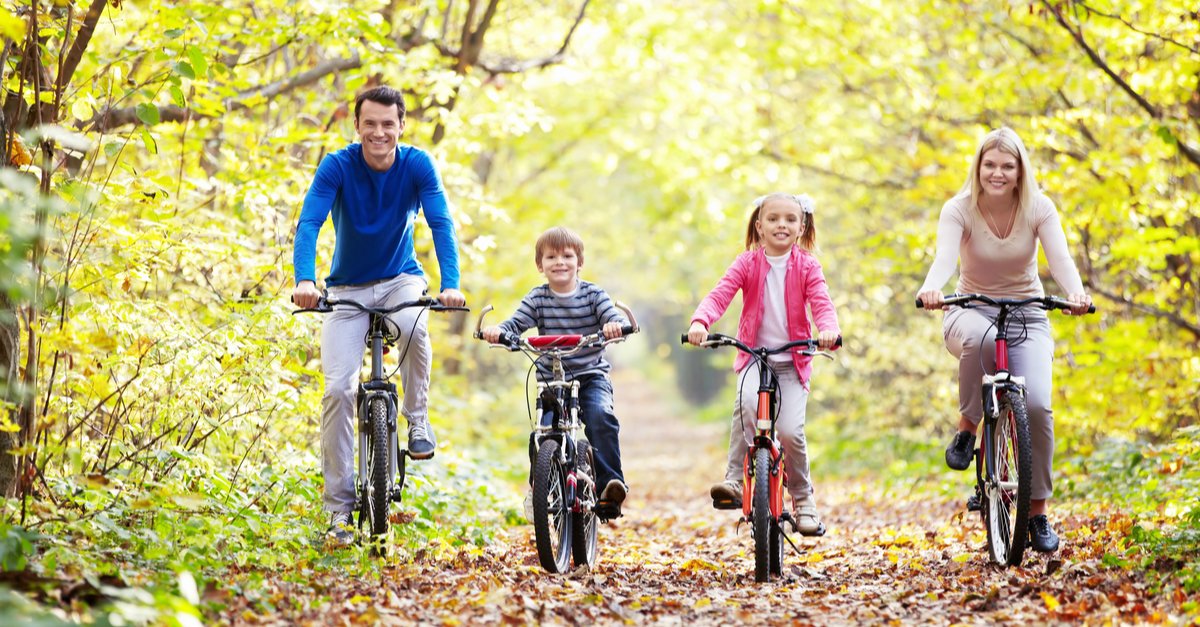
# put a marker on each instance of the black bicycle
(1004, 459)
(566, 505)
(380, 459)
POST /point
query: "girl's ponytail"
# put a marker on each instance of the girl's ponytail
(751, 231)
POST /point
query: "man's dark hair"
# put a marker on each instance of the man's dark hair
(383, 95)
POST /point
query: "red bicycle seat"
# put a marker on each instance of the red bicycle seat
(554, 341)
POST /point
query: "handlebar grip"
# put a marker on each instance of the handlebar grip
(628, 330)
(920, 305)
(838, 342)
(1091, 309)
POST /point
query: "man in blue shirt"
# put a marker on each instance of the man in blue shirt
(374, 189)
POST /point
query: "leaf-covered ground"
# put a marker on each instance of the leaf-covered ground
(672, 559)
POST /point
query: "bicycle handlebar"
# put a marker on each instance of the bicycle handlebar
(720, 339)
(326, 305)
(1045, 302)
(514, 342)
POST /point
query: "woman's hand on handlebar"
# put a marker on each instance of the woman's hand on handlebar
(1080, 304)
(451, 297)
(827, 340)
(931, 299)
(306, 295)
(697, 333)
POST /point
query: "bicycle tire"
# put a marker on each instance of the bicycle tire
(551, 513)
(584, 523)
(379, 495)
(1008, 480)
(760, 515)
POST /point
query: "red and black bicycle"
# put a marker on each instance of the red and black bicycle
(1004, 459)
(764, 476)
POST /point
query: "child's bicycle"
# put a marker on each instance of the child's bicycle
(764, 476)
(566, 505)
(1004, 459)
(380, 458)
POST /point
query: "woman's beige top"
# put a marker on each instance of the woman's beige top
(1001, 268)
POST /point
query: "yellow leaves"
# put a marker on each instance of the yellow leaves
(11, 26)
(697, 564)
(1050, 601)
(20, 154)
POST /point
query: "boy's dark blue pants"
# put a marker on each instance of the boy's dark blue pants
(600, 426)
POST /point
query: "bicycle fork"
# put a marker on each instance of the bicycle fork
(367, 392)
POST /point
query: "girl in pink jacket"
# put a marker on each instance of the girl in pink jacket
(780, 280)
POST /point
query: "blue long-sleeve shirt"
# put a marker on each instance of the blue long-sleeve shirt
(373, 217)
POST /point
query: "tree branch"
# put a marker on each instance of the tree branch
(513, 66)
(111, 118)
(845, 178)
(1137, 30)
(82, 39)
(1172, 317)
(1189, 153)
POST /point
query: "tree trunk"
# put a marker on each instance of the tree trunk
(10, 353)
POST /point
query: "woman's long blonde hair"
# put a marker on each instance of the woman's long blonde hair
(1006, 140)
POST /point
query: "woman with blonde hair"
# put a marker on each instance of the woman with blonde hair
(993, 227)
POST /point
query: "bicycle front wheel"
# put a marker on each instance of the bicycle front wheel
(551, 511)
(760, 514)
(379, 467)
(1008, 476)
(584, 522)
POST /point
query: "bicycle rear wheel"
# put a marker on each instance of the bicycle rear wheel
(551, 512)
(760, 514)
(1008, 480)
(584, 523)
(378, 465)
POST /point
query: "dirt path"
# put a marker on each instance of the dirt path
(673, 560)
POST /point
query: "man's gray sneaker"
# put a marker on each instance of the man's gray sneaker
(341, 530)
(421, 441)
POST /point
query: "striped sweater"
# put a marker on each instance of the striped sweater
(585, 311)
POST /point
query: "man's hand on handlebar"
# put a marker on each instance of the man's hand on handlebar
(451, 297)
(612, 330)
(306, 295)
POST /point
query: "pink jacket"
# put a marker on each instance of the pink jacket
(805, 285)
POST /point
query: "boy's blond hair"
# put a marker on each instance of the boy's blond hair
(558, 238)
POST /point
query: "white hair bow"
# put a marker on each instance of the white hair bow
(804, 200)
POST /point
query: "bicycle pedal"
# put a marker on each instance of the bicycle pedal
(973, 503)
(726, 504)
(607, 511)
(820, 531)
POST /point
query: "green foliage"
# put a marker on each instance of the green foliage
(177, 397)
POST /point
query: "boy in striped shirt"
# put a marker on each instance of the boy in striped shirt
(566, 305)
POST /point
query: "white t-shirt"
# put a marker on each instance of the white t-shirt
(774, 331)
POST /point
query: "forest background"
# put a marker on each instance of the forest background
(160, 401)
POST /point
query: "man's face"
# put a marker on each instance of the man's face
(379, 128)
